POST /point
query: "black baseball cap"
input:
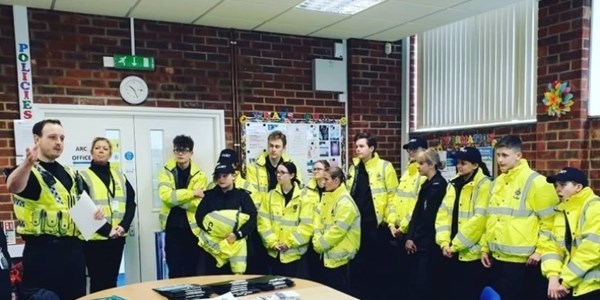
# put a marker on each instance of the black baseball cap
(415, 143)
(470, 154)
(569, 174)
(224, 169)
(228, 156)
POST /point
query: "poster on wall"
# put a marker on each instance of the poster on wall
(448, 157)
(306, 143)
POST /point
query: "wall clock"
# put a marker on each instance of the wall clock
(133, 90)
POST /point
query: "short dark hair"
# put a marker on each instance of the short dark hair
(291, 167)
(371, 140)
(277, 135)
(324, 162)
(39, 126)
(182, 142)
(511, 142)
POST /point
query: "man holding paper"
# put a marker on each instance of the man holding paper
(44, 190)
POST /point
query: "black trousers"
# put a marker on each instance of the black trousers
(211, 265)
(55, 264)
(182, 252)
(370, 269)
(460, 272)
(425, 275)
(335, 278)
(297, 268)
(258, 258)
(516, 281)
(103, 259)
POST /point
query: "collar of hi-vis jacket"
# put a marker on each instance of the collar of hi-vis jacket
(371, 162)
(262, 158)
(412, 168)
(474, 180)
(172, 164)
(576, 202)
(516, 171)
(296, 194)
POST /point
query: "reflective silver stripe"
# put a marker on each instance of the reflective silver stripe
(162, 218)
(509, 212)
(378, 191)
(475, 247)
(288, 223)
(405, 194)
(343, 225)
(267, 233)
(442, 228)
(339, 255)
(174, 200)
(475, 195)
(208, 242)
(167, 184)
(461, 237)
(305, 221)
(551, 256)
(582, 217)
(480, 211)
(237, 259)
(246, 185)
(526, 188)
(262, 189)
(545, 233)
(117, 215)
(546, 212)
(464, 214)
(594, 274)
(446, 208)
(514, 250)
(299, 238)
(300, 250)
(217, 216)
(264, 214)
(324, 243)
(591, 237)
(575, 269)
(86, 177)
(194, 226)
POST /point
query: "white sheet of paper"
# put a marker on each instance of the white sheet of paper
(82, 214)
(228, 296)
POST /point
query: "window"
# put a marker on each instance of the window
(478, 72)
(594, 81)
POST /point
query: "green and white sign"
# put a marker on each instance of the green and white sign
(133, 62)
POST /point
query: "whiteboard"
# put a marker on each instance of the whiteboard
(306, 143)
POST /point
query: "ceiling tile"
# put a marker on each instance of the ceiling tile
(481, 6)
(396, 33)
(247, 10)
(301, 21)
(224, 22)
(398, 11)
(444, 17)
(439, 3)
(183, 11)
(105, 7)
(44, 4)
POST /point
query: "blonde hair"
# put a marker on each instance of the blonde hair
(98, 139)
(431, 157)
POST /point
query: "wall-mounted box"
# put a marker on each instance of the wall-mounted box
(329, 75)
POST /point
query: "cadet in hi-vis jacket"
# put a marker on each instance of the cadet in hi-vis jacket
(181, 185)
(571, 258)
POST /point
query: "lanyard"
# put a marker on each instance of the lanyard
(111, 184)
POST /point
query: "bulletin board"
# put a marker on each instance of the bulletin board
(484, 142)
(307, 142)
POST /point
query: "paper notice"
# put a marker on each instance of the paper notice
(82, 214)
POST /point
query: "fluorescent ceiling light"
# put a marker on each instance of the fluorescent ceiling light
(346, 7)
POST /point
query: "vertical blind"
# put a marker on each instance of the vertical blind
(480, 71)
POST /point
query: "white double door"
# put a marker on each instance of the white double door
(142, 140)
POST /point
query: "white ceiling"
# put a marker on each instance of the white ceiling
(390, 20)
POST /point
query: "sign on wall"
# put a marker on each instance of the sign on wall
(23, 67)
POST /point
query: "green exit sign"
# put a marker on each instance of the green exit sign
(133, 62)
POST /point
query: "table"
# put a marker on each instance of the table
(306, 288)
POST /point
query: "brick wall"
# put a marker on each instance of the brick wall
(196, 67)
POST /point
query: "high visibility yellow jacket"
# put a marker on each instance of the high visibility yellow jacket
(184, 198)
(311, 192)
(258, 176)
(471, 217)
(579, 268)
(519, 215)
(243, 184)
(337, 228)
(219, 224)
(50, 213)
(113, 209)
(290, 224)
(407, 194)
(384, 182)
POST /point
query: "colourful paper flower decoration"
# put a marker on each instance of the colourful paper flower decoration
(558, 98)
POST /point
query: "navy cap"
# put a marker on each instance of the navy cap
(470, 154)
(569, 174)
(228, 156)
(224, 169)
(415, 143)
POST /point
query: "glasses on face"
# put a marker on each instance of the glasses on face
(281, 173)
(181, 151)
(318, 169)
